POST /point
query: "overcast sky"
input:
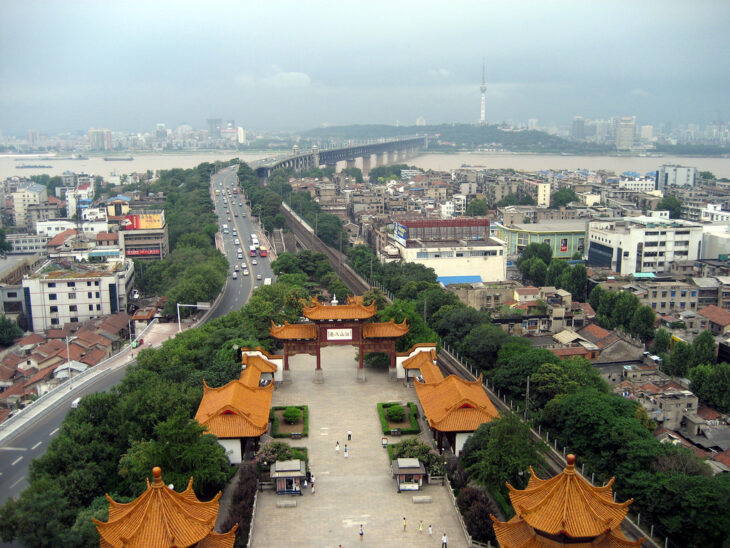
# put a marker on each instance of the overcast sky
(295, 65)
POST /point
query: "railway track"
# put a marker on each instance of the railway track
(309, 240)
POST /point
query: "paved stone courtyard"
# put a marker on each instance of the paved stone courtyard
(359, 489)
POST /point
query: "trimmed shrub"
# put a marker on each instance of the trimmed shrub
(413, 416)
(395, 413)
(292, 415)
(475, 506)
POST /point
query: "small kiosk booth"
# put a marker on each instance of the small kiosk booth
(408, 474)
(288, 476)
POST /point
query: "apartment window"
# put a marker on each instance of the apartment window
(653, 306)
(97, 294)
(694, 293)
(53, 308)
(51, 296)
(51, 284)
(98, 307)
(653, 294)
(664, 304)
(54, 321)
(12, 294)
(89, 294)
(91, 307)
(664, 293)
(72, 295)
(88, 284)
(73, 308)
(674, 293)
(683, 293)
(71, 284)
(74, 320)
(96, 282)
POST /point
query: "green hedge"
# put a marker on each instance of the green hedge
(413, 415)
(275, 422)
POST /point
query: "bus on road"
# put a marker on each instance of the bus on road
(267, 281)
(252, 251)
(263, 251)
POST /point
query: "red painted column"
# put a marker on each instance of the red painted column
(319, 359)
(392, 356)
(361, 364)
(286, 357)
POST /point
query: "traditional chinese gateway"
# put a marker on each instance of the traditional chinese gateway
(339, 324)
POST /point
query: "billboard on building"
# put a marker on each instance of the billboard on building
(133, 252)
(142, 221)
(564, 245)
(400, 233)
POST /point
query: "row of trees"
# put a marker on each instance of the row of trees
(622, 310)
(194, 270)
(537, 266)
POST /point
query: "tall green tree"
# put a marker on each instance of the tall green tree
(662, 340)
(9, 331)
(501, 451)
(705, 348)
(477, 208)
(5, 246)
(642, 323)
(418, 331)
(671, 204)
(541, 251)
(534, 271)
(563, 197)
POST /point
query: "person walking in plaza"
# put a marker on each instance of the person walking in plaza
(420, 527)
(347, 454)
(430, 530)
(337, 447)
(349, 435)
(362, 532)
(404, 524)
(444, 540)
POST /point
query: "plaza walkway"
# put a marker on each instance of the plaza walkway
(359, 489)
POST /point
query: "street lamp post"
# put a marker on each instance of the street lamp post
(179, 325)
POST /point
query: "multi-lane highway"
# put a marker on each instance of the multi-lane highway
(234, 213)
(20, 449)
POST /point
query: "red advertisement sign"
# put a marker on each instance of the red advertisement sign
(564, 244)
(142, 252)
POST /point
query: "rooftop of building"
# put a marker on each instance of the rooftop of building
(66, 269)
(715, 314)
(488, 242)
(552, 226)
(646, 222)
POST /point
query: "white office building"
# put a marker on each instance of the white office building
(637, 185)
(672, 175)
(54, 227)
(57, 294)
(642, 244)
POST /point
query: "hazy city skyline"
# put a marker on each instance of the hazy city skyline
(293, 66)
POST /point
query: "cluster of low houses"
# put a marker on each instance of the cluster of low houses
(36, 363)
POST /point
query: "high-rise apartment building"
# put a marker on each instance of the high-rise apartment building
(100, 139)
(625, 133)
(578, 130)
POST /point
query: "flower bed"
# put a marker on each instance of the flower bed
(281, 429)
(409, 425)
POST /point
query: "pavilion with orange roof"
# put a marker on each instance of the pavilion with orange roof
(339, 324)
(238, 412)
(163, 518)
(565, 510)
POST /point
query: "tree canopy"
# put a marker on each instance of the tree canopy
(671, 204)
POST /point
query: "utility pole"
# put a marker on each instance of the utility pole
(425, 309)
(527, 399)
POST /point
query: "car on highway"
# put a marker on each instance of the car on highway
(235, 275)
(235, 267)
(258, 276)
(235, 213)
(245, 272)
(235, 233)
(240, 255)
(237, 241)
(254, 262)
(229, 219)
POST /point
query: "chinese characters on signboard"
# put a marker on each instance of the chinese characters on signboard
(339, 334)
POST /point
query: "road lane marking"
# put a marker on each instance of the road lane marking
(13, 449)
(35, 446)
(17, 482)
(16, 461)
(53, 432)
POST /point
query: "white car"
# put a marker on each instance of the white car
(244, 266)
(245, 272)
(258, 276)
(237, 241)
(235, 275)
(254, 261)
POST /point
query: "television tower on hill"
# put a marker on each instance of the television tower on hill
(483, 89)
